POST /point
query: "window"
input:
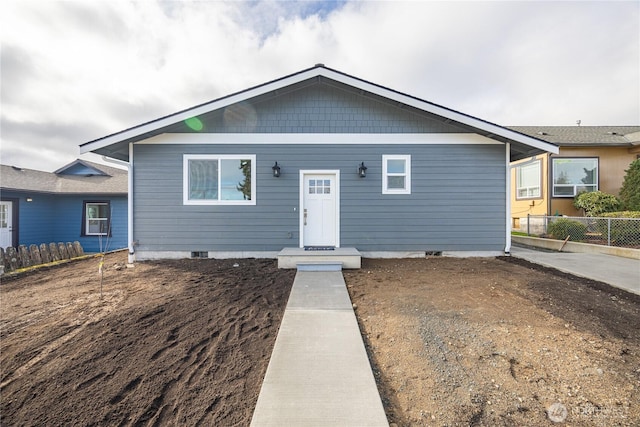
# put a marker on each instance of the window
(574, 176)
(528, 180)
(4, 215)
(396, 174)
(219, 180)
(96, 218)
(319, 186)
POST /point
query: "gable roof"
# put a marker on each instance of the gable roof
(107, 180)
(584, 136)
(116, 145)
(81, 167)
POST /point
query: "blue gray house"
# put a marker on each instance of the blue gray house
(318, 159)
(82, 201)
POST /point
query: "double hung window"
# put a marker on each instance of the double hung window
(219, 179)
(96, 218)
(396, 174)
(528, 179)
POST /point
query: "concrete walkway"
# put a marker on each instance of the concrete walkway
(623, 273)
(319, 372)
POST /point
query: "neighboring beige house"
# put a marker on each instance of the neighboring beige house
(591, 158)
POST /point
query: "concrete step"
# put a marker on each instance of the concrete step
(319, 266)
(291, 257)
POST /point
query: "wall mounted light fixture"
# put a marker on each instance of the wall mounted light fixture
(29, 199)
(362, 170)
(276, 170)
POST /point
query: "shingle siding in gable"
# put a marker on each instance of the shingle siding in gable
(457, 201)
(323, 109)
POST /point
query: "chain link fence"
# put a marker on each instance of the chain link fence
(623, 232)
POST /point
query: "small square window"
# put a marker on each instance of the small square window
(396, 174)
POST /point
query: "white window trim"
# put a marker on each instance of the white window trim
(196, 202)
(595, 185)
(539, 186)
(88, 220)
(407, 174)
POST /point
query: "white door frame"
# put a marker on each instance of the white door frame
(336, 173)
(10, 230)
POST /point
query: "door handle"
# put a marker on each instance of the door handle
(305, 217)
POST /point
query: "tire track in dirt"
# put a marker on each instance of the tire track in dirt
(96, 311)
(184, 342)
(201, 360)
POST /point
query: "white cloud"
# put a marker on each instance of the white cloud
(73, 71)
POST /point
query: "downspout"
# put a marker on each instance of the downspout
(132, 249)
(549, 188)
(507, 246)
(129, 166)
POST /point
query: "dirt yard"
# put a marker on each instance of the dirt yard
(173, 343)
(498, 342)
(455, 342)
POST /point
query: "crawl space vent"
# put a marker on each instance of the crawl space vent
(200, 254)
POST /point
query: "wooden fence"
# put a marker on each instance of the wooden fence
(13, 259)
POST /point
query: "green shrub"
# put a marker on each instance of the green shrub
(595, 203)
(622, 231)
(622, 214)
(630, 191)
(562, 227)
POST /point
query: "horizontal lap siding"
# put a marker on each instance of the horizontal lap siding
(119, 228)
(35, 219)
(457, 200)
(58, 218)
(69, 225)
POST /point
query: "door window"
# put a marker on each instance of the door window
(319, 186)
(4, 216)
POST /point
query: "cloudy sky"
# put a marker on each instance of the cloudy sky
(76, 70)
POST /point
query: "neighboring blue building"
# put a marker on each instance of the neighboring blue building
(318, 159)
(82, 201)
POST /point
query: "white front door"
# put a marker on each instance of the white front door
(320, 200)
(6, 224)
